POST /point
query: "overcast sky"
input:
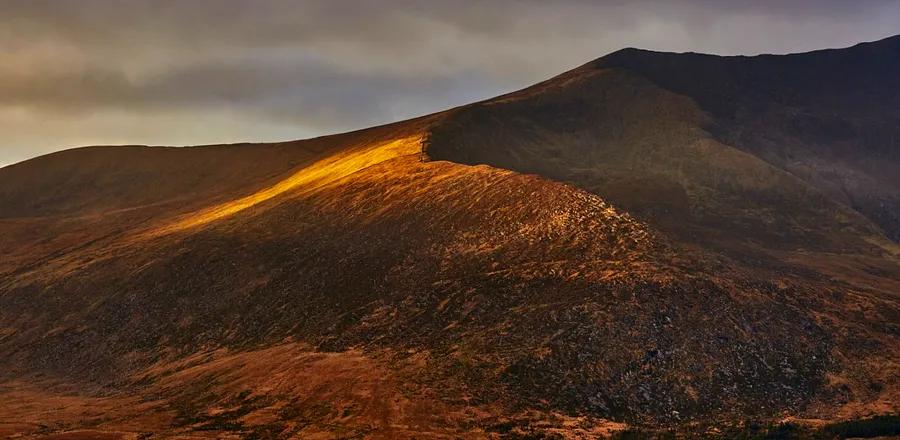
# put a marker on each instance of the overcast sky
(88, 72)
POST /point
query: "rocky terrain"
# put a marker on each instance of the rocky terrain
(650, 244)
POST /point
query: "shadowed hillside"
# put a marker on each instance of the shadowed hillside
(669, 241)
(829, 117)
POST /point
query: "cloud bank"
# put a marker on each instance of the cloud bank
(85, 72)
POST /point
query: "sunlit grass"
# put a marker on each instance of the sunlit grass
(308, 178)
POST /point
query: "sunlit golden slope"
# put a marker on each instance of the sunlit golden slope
(308, 178)
(386, 235)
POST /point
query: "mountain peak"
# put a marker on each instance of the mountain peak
(891, 43)
(651, 240)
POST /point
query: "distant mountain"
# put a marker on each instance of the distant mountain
(654, 240)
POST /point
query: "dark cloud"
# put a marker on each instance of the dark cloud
(182, 72)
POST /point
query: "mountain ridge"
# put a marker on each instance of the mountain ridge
(589, 253)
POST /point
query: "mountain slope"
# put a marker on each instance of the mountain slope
(828, 117)
(611, 246)
(636, 124)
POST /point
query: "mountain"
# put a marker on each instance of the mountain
(650, 241)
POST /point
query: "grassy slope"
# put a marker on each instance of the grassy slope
(743, 291)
